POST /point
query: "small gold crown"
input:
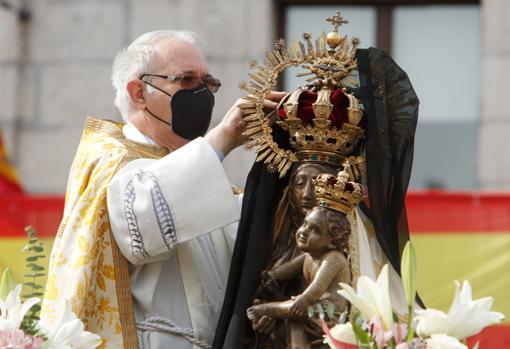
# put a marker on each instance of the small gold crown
(338, 192)
(329, 61)
(320, 140)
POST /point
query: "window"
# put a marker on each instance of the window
(438, 44)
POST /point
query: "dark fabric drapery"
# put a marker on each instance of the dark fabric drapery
(391, 106)
(391, 109)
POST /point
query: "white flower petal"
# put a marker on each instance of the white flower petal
(86, 340)
(68, 332)
(4, 324)
(466, 294)
(384, 306)
(344, 333)
(377, 295)
(441, 341)
(51, 344)
(12, 310)
(359, 303)
(429, 321)
(16, 314)
(372, 298)
(467, 317)
(472, 324)
(484, 303)
(13, 297)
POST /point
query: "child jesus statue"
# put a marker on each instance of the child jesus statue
(323, 240)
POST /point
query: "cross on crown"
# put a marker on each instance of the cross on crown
(337, 20)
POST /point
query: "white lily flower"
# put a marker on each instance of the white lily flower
(430, 321)
(343, 333)
(465, 318)
(441, 341)
(68, 332)
(372, 298)
(12, 310)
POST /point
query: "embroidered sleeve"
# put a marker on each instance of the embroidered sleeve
(137, 246)
(163, 214)
(155, 205)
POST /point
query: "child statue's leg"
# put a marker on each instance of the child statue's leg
(297, 338)
(275, 310)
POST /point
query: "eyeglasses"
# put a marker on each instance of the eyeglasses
(190, 81)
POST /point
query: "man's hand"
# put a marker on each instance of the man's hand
(227, 135)
(264, 325)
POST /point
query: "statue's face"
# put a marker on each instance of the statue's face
(303, 191)
(313, 236)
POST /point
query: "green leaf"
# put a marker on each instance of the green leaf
(330, 310)
(37, 249)
(363, 337)
(30, 231)
(33, 285)
(35, 267)
(34, 275)
(34, 258)
(33, 294)
(35, 308)
(310, 311)
(7, 284)
(410, 334)
(320, 309)
(409, 272)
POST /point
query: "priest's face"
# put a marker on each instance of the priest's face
(175, 58)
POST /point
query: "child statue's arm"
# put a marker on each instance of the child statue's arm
(286, 271)
(330, 266)
(289, 270)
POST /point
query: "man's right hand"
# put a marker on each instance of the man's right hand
(228, 134)
(264, 325)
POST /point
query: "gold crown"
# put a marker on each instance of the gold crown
(330, 63)
(337, 192)
(320, 140)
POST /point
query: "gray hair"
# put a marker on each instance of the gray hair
(137, 59)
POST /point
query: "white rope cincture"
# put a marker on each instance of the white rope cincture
(161, 324)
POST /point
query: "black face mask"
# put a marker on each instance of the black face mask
(191, 111)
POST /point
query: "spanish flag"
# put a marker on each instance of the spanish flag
(457, 236)
(463, 236)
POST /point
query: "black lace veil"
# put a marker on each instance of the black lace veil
(391, 106)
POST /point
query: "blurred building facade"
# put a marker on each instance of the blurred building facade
(55, 70)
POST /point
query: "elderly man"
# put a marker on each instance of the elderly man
(145, 240)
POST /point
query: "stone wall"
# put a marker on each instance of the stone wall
(494, 140)
(55, 70)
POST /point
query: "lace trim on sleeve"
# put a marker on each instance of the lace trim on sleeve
(137, 245)
(163, 213)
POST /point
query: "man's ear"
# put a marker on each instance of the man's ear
(135, 89)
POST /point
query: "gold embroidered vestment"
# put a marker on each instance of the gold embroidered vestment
(86, 266)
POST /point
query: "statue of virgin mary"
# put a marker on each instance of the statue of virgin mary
(358, 108)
